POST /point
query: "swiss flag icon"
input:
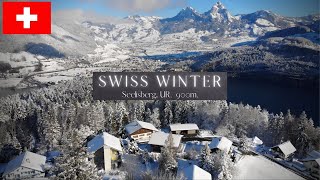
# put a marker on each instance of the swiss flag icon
(26, 17)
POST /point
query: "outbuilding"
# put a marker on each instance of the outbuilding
(284, 150)
(220, 143)
(158, 140)
(106, 149)
(184, 129)
(194, 172)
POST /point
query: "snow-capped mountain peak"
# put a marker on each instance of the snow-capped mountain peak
(143, 20)
(189, 9)
(220, 14)
(187, 13)
(218, 5)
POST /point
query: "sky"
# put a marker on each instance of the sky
(169, 8)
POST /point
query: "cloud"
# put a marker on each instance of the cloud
(71, 16)
(144, 5)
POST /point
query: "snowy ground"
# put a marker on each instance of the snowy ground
(9, 83)
(258, 167)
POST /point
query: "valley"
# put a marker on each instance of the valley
(47, 104)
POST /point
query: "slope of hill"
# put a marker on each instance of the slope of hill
(68, 38)
(252, 167)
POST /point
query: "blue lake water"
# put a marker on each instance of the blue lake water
(275, 97)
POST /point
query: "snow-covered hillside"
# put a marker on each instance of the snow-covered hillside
(80, 41)
(258, 167)
(78, 35)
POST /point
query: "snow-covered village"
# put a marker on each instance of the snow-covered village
(182, 145)
(51, 127)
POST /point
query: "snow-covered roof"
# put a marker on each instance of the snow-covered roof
(257, 141)
(104, 139)
(194, 172)
(159, 139)
(221, 143)
(183, 127)
(287, 148)
(27, 160)
(137, 125)
(206, 134)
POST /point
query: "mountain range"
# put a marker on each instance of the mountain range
(80, 38)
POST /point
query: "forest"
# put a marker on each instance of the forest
(46, 119)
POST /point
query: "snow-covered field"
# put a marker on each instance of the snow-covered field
(258, 167)
(8, 83)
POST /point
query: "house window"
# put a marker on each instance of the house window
(184, 132)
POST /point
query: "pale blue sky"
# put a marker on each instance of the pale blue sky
(169, 8)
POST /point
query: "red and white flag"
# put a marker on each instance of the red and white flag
(26, 17)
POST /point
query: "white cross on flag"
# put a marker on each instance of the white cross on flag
(26, 18)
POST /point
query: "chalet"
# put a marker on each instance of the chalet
(312, 163)
(184, 129)
(220, 143)
(194, 172)
(106, 149)
(140, 131)
(284, 150)
(158, 140)
(28, 165)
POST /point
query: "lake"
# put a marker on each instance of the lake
(276, 96)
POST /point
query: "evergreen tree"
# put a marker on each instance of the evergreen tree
(133, 147)
(96, 117)
(206, 161)
(121, 114)
(204, 157)
(276, 129)
(223, 165)
(168, 115)
(167, 160)
(289, 122)
(50, 129)
(155, 118)
(148, 115)
(76, 162)
(303, 141)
